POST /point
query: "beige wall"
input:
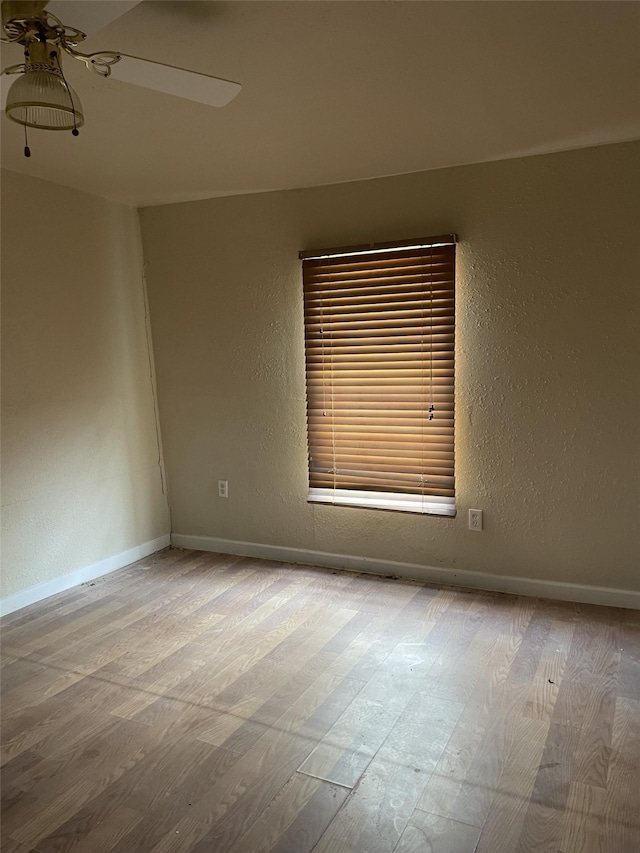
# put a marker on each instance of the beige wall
(80, 474)
(547, 363)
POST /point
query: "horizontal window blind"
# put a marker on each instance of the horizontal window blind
(379, 344)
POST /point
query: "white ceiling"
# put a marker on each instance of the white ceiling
(341, 91)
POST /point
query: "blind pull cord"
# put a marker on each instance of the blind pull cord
(431, 406)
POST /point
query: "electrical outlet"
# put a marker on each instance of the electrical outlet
(475, 519)
(223, 488)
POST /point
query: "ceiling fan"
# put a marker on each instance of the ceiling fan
(40, 97)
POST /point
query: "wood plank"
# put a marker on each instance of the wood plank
(343, 755)
(295, 818)
(98, 833)
(583, 820)
(621, 831)
(542, 830)
(491, 707)
(426, 832)
(550, 671)
(19, 766)
(534, 639)
(507, 812)
(629, 673)
(303, 833)
(11, 846)
(377, 812)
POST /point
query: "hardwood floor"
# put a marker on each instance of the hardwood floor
(207, 703)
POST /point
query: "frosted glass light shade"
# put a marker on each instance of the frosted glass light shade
(41, 99)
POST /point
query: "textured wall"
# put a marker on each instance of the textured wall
(80, 474)
(547, 363)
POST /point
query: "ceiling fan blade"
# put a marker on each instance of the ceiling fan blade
(89, 16)
(191, 85)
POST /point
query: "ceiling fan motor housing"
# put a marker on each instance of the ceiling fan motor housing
(20, 10)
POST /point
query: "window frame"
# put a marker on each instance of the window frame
(390, 282)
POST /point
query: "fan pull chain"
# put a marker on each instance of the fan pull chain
(432, 408)
(75, 131)
(27, 150)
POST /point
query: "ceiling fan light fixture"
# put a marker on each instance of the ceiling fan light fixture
(41, 98)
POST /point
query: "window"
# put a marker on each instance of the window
(379, 346)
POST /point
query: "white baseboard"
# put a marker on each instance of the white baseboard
(111, 564)
(427, 574)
